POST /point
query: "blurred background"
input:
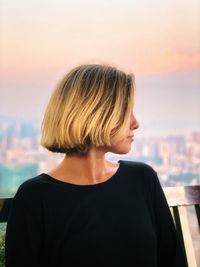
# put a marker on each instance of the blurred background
(158, 41)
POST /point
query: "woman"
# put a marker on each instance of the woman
(90, 211)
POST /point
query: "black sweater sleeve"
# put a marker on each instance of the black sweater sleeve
(170, 253)
(24, 230)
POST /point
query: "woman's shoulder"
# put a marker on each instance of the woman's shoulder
(139, 173)
(137, 167)
(31, 187)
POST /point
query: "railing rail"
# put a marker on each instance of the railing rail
(179, 198)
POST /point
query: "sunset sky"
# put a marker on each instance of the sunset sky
(159, 41)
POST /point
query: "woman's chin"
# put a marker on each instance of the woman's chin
(122, 150)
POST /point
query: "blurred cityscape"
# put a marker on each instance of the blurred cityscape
(175, 158)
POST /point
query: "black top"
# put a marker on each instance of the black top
(124, 221)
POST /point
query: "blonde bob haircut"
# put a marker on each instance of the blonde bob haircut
(91, 106)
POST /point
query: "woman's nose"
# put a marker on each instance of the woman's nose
(134, 123)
